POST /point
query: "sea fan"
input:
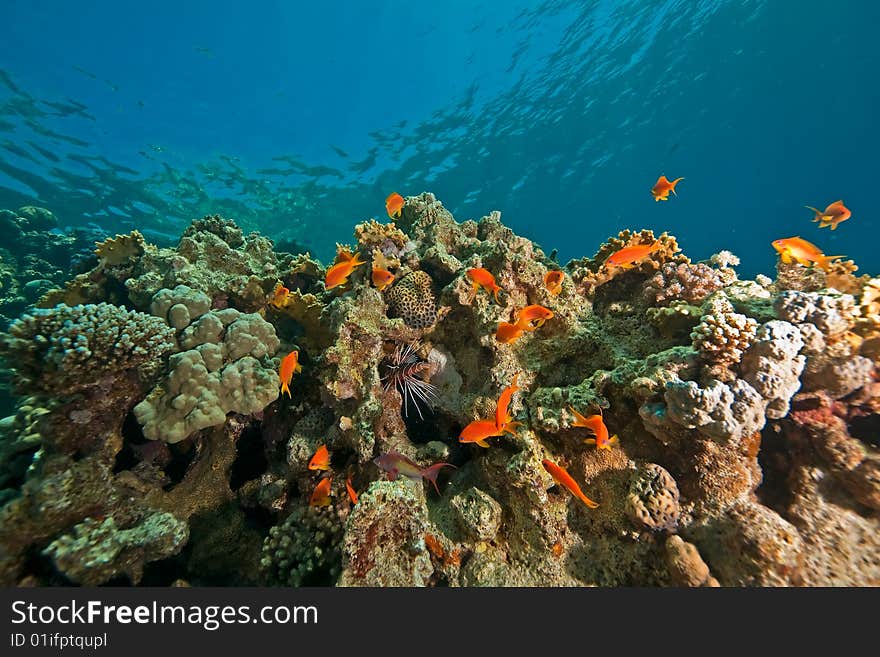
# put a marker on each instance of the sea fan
(403, 368)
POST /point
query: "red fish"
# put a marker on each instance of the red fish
(561, 477)
(507, 332)
(279, 296)
(478, 431)
(382, 278)
(803, 252)
(394, 204)
(289, 365)
(553, 282)
(321, 459)
(502, 416)
(661, 189)
(338, 274)
(596, 424)
(321, 494)
(532, 317)
(352, 494)
(482, 278)
(629, 256)
(833, 215)
(395, 464)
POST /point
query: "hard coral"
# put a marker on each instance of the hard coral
(305, 550)
(722, 336)
(652, 500)
(412, 299)
(687, 282)
(62, 350)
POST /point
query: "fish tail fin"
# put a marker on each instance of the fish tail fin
(495, 294)
(285, 389)
(590, 503)
(430, 473)
(356, 261)
(825, 261)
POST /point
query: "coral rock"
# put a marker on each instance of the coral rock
(652, 500)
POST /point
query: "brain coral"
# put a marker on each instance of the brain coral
(412, 299)
(653, 498)
(68, 348)
(224, 369)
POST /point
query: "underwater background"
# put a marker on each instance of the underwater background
(380, 294)
(298, 118)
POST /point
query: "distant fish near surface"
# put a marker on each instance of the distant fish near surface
(833, 215)
(553, 282)
(663, 186)
(483, 278)
(561, 477)
(394, 204)
(338, 274)
(394, 464)
(321, 494)
(321, 459)
(382, 278)
(797, 249)
(629, 256)
(289, 365)
(596, 424)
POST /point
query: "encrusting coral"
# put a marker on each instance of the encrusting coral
(746, 415)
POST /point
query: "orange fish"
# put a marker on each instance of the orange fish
(507, 332)
(596, 424)
(321, 459)
(279, 296)
(560, 476)
(321, 494)
(338, 274)
(394, 204)
(382, 278)
(629, 256)
(502, 416)
(289, 365)
(803, 252)
(532, 317)
(352, 494)
(553, 282)
(482, 278)
(661, 189)
(834, 214)
(478, 431)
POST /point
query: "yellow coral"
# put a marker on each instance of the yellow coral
(371, 234)
(120, 249)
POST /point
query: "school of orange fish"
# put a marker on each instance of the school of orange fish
(527, 319)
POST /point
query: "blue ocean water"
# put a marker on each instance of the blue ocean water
(298, 118)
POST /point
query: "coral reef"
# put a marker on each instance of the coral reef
(150, 444)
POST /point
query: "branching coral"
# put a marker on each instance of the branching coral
(65, 349)
(687, 282)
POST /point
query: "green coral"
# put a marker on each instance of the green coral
(97, 551)
(305, 549)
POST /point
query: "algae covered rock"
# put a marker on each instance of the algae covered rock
(97, 551)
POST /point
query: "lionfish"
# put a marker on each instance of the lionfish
(402, 371)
